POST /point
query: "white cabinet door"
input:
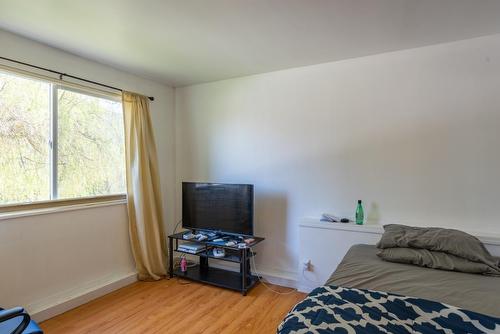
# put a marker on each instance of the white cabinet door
(325, 244)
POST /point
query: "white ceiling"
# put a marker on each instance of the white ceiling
(191, 41)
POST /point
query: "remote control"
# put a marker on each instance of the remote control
(188, 236)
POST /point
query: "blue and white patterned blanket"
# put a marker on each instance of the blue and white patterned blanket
(331, 309)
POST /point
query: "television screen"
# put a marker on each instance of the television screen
(219, 207)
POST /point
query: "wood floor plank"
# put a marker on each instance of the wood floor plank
(177, 306)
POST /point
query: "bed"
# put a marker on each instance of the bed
(368, 295)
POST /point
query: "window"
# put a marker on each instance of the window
(57, 142)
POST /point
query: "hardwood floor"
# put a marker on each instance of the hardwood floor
(177, 306)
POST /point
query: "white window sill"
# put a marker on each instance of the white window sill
(57, 209)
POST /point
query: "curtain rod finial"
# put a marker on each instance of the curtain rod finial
(151, 98)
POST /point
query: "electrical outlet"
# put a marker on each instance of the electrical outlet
(307, 265)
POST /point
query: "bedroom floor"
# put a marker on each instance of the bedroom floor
(177, 306)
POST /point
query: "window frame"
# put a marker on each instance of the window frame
(20, 209)
(54, 201)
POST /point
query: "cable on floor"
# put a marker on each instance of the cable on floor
(265, 284)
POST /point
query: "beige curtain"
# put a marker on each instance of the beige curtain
(143, 190)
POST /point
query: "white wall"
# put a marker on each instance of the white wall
(43, 259)
(413, 133)
(50, 258)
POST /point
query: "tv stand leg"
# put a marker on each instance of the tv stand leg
(171, 257)
(203, 263)
(243, 271)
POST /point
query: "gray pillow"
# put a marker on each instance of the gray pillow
(449, 241)
(436, 260)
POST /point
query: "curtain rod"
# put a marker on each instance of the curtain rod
(61, 75)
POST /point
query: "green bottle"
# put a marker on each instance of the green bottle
(359, 213)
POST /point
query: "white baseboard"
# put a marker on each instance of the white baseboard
(67, 300)
(305, 288)
(279, 277)
(273, 276)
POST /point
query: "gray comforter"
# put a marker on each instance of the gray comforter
(361, 268)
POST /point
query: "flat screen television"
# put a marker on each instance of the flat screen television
(218, 207)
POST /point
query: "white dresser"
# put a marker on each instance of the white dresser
(324, 244)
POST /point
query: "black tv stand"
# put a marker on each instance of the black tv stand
(240, 281)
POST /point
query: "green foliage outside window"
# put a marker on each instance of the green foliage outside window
(90, 149)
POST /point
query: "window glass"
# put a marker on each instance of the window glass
(58, 142)
(24, 139)
(91, 156)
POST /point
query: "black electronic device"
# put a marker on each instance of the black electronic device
(226, 208)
